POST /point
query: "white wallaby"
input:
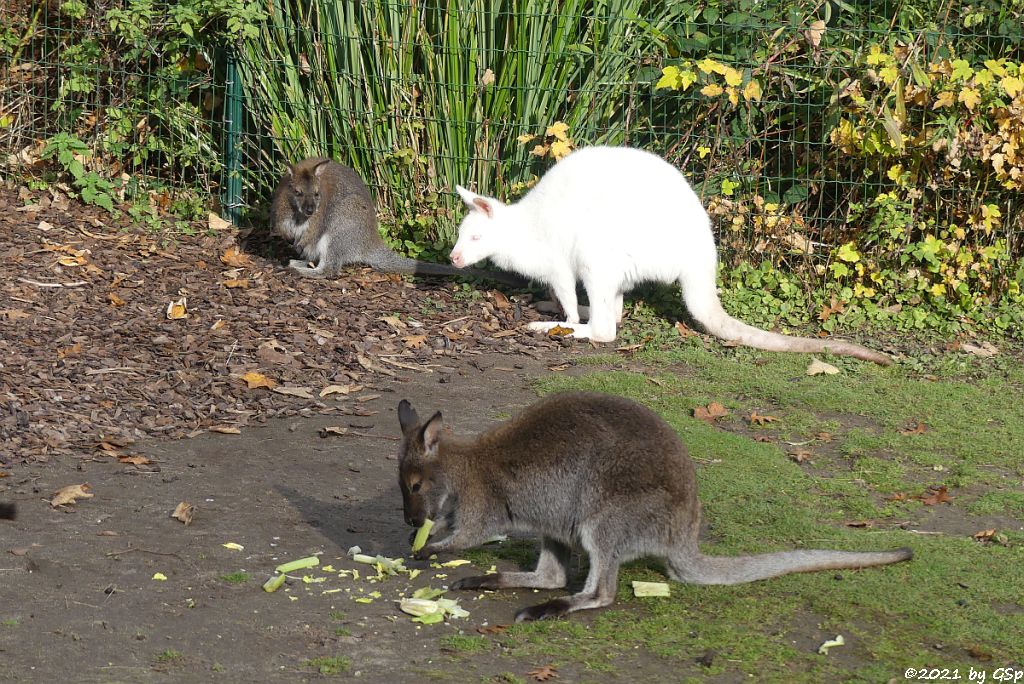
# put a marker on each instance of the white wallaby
(614, 217)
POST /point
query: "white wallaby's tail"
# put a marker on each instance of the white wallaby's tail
(701, 569)
(702, 302)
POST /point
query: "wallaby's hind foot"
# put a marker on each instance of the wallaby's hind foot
(303, 269)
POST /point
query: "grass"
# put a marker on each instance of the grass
(462, 643)
(240, 577)
(169, 656)
(330, 666)
(957, 603)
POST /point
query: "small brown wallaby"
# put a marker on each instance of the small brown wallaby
(8, 512)
(589, 471)
(326, 210)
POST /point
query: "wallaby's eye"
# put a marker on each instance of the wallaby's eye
(415, 488)
(298, 192)
(474, 238)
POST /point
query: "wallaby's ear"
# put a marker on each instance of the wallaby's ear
(432, 434)
(476, 202)
(289, 172)
(319, 168)
(407, 417)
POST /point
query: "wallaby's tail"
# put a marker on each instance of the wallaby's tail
(700, 569)
(396, 263)
(702, 301)
(8, 512)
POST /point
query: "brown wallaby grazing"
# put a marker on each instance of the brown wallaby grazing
(8, 512)
(326, 210)
(580, 470)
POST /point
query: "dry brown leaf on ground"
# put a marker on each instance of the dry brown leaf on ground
(215, 222)
(254, 380)
(225, 429)
(824, 436)
(938, 495)
(560, 331)
(70, 494)
(758, 419)
(684, 330)
(178, 309)
(801, 456)
(340, 389)
(918, 429)
(500, 300)
(236, 283)
(710, 413)
(984, 350)
(234, 258)
(414, 341)
(543, 673)
(333, 430)
(115, 300)
(301, 392)
(492, 629)
(184, 512)
(134, 460)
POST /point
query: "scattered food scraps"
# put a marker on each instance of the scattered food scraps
(832, 643)
(233, 546)
(300, 564)
(160, 577)
(650, 589)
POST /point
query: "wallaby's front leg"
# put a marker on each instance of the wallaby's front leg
(551, 572)
(597, 592)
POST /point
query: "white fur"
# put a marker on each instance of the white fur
(293, 231)
(609, 217)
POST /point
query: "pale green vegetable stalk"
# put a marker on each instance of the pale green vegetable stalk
(274, 583)
(648, 589)
(300, 564)
(421, 535)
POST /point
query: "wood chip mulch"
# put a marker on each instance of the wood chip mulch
(91, 356)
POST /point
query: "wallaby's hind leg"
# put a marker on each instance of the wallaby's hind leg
(598, 591)
(551, 572)
(564, 288)
(300, 267)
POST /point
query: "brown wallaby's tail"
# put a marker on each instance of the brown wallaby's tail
(701, 569)
(8, 512)
(396, 263)
(703, 304)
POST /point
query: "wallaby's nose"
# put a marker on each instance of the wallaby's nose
(456, 258)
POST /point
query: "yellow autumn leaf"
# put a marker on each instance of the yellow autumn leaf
(876, 56)
(945, 99)
(669, 78)
(234, 258)
(983, 78)
(938, 289)
(525, 138)
(115, 299)
(889, 74)
(734, 96)
(560, 148)
(1012, 85)
(996, 66)
(732, 76)
(539, 150)
(970, 97)
(711, 90)
(557, 129)
(708, 65)
(895, 171)
(236, 283)
(752, 91)
(178, 309)
(703, 151)
(254, 380)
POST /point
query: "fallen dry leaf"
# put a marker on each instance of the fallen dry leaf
(134, 460)
(560, 331)
(918, 429)
(823, 436)
(984, 535)
(979, 653)
(861, 523)
(414, 341)
(500, 301)
(938, 495)
(684, 330)
(817, 367)
(543, 673)
(254, 380)
(984, 350)
(758, 419)
(559, 368)
(216, 222)
(236, 283)
(13, 314)
(225, 429)
(898, 496)
(800, 456)
(492, 629)
(333, 430)
(115, 300)
(628, 348)
(73, 350)
(178, 309)
(70, 494)
(301, 392)
(234, 258)
(710, 413)
(340, 389)
(184, 512)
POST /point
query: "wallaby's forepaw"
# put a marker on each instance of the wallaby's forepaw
(426, 552)
(544, 611)
(477, 582)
